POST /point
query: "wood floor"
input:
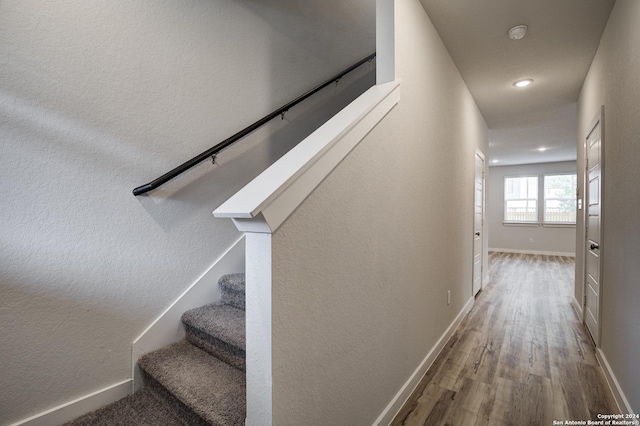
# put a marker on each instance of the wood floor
(520, 357)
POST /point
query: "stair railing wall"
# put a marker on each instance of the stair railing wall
(266, 202)
(213, 151)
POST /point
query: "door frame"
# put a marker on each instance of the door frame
(484, 241)
(599, 117)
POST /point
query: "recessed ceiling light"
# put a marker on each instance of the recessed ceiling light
(517, 32)
(542, 149)
(495, 161)
(523, 83)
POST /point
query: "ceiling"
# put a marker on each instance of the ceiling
(556, 53)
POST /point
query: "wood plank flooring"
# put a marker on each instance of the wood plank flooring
(520, 357)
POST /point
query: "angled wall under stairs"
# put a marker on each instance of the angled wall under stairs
(197, 381)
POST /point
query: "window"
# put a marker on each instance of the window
(557, 193)
(521, 199)
(560, 198)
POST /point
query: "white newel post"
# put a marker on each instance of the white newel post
(258, 328)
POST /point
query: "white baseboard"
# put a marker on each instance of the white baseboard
(578, 308)
(386, 417)
(618, 395)
(546, 253)
(168, 328)
(76, 408)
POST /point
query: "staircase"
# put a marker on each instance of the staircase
(198, 381)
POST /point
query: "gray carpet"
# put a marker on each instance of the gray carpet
(232, 287)
(204, 385)
(198, 381)
(218, 329)
(143, 408)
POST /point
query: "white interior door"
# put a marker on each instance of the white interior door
(478, 221)
(593, 250)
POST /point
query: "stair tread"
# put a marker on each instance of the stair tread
(224, 322)
(235, 282)
(232, 287)
(143, 408)
(211, 388)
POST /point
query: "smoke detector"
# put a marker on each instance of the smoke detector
(517, 32)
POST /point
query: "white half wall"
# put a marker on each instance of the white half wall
(266, 202)
(361, 270)
(536, 239)
(614, 81)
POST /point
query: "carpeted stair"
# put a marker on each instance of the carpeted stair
(198, 381)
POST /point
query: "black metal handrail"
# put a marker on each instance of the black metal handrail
(242, 133)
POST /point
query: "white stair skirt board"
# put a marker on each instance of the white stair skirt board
(76, 408)
(545, 253)
(168, 327)
(389, 413)
(618, 395)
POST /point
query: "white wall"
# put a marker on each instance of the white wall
(99, 97)
(614, 81)
(361, 270)
(546, 239)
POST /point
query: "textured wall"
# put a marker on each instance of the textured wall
(98, 97)
(614, 81)
(361, 269)
(549, 239)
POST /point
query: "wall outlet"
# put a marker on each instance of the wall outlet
(530, 240)
(448, 297)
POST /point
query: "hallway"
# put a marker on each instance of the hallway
(520, 357)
